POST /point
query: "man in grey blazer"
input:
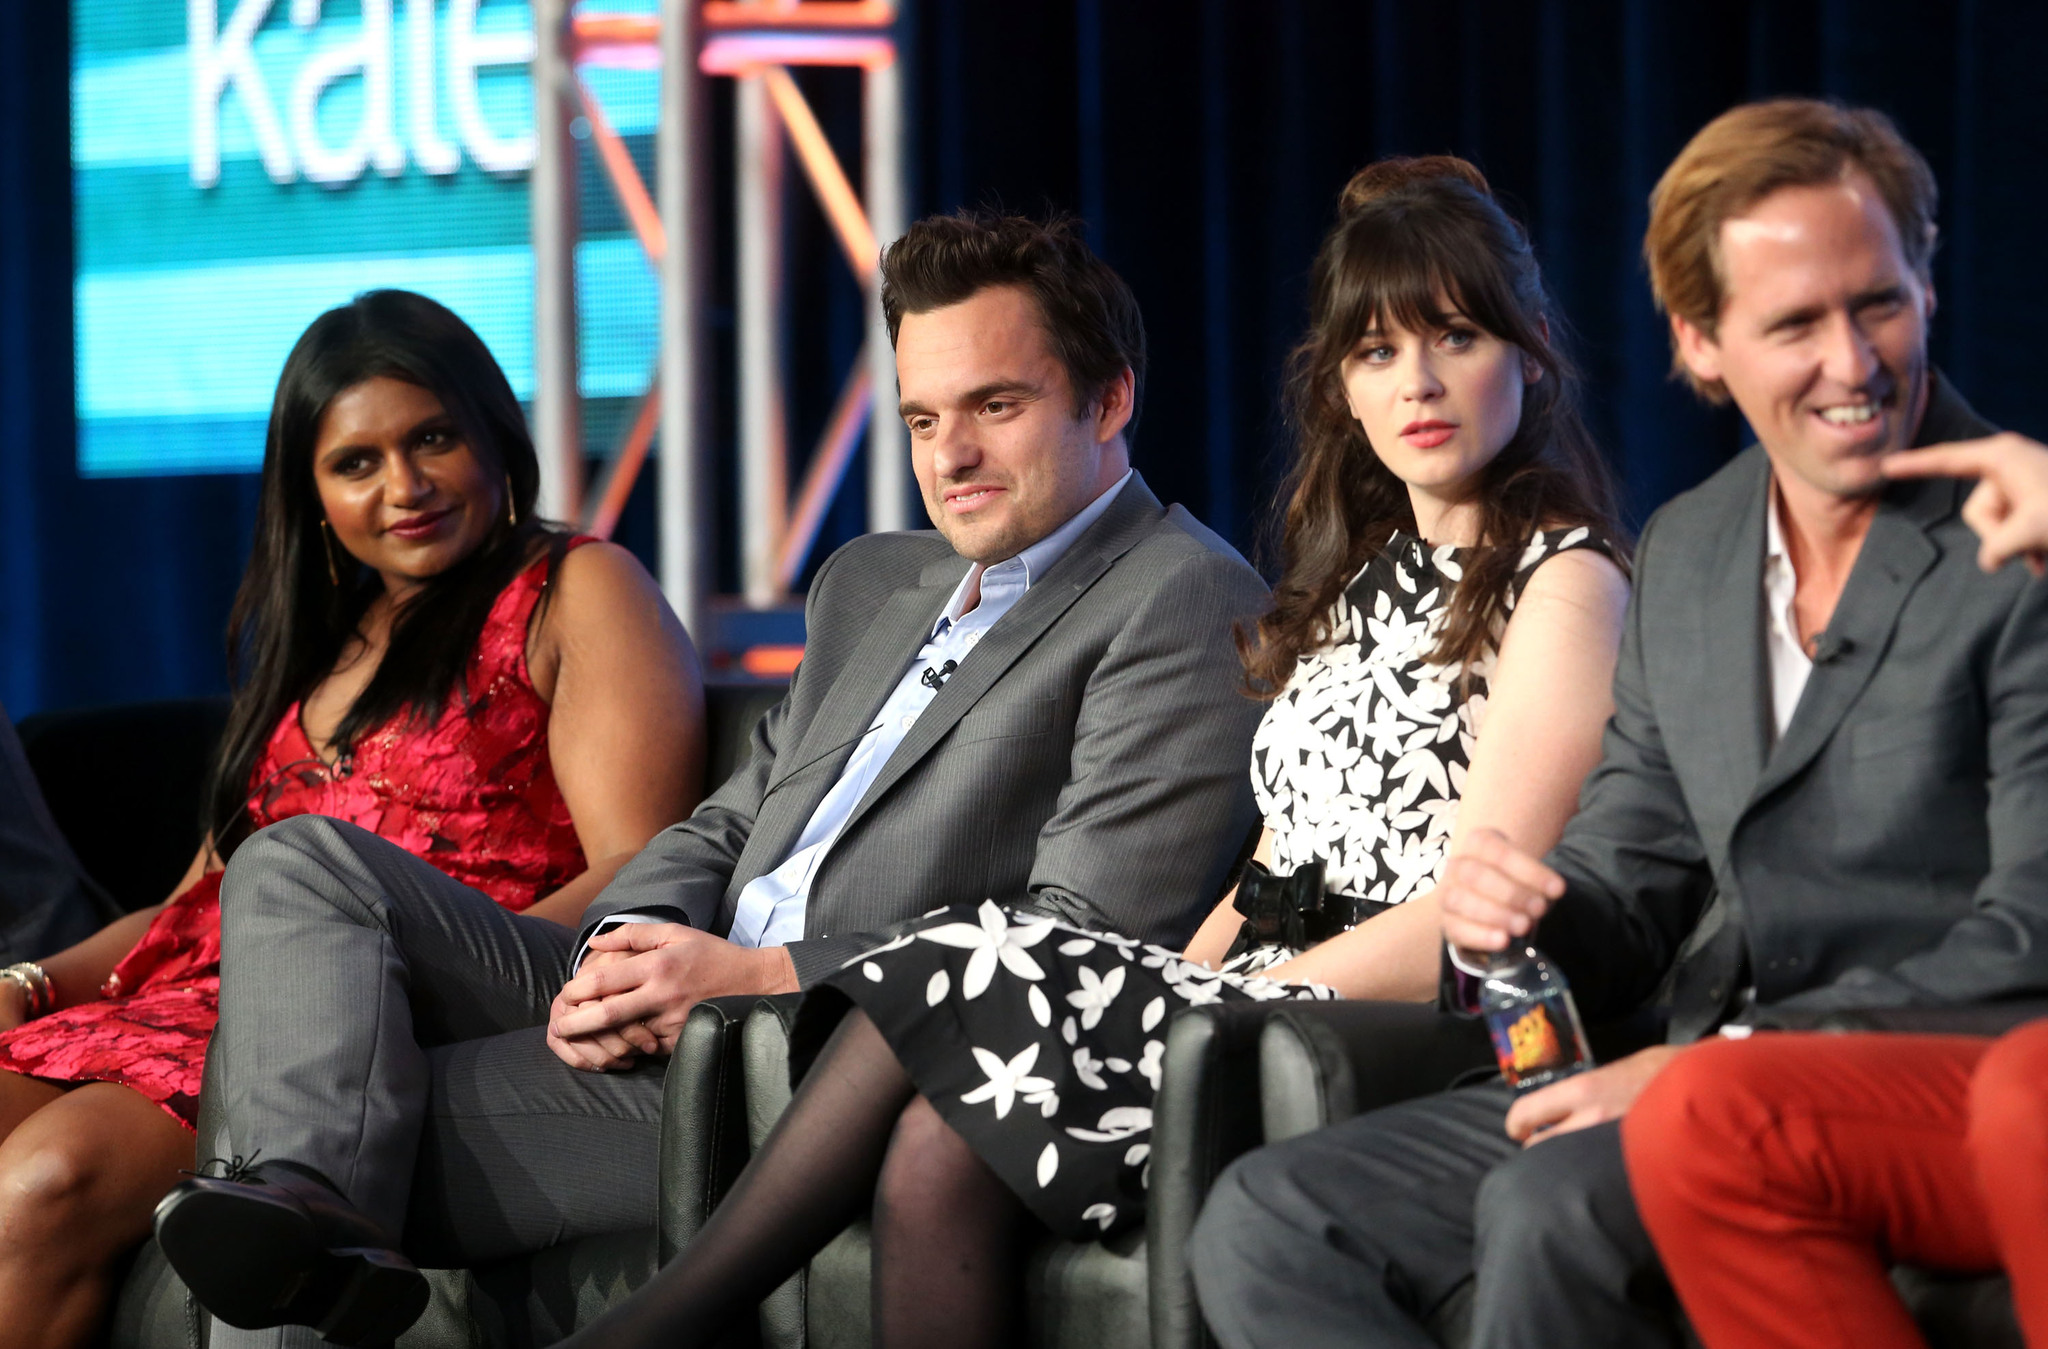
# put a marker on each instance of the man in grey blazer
(1824, 786)
(1039, 703)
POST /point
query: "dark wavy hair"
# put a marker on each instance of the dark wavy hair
(1416, 239)
(1090, 315)
(291, 621)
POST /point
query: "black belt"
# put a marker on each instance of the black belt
(1295, 910)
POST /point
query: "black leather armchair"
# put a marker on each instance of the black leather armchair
(1124, 1293)
(1078, 1295)
(1324, 1062)
(123, 784)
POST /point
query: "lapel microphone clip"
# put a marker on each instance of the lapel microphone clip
(936, 679)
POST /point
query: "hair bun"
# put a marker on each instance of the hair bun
(1384, 177)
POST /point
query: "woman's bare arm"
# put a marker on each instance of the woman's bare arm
(1212, 940)
(626, 730)
(1549, 698)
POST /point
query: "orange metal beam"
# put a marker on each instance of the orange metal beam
(828, 180)
(812, 14)
(828, 467)
(644, 30)
(746, 53)
(616, 486)
(624, 174)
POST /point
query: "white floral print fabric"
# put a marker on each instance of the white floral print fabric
(1360, 762)
(1043, 1043)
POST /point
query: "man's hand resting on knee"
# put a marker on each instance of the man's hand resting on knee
(638, 983)
(1585, 1099)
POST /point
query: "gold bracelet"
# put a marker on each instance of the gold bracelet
(35, 983)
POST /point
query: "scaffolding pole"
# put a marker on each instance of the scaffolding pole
(764, 447)
(683, 184)
(889, 488)
(756, 43)
(557, 405)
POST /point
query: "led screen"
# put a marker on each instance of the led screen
(241, 165)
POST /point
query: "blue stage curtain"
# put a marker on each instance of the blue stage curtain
(1204, 141)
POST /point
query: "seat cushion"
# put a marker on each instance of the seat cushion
(1077, 1294)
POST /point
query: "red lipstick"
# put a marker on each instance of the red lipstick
(422, 526)
(1427, 435)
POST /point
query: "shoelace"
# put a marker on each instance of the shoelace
(237, 1168)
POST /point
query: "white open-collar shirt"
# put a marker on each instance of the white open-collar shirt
(771, 909)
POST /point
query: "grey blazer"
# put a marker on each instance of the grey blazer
(1090, 757)
(1891, 849)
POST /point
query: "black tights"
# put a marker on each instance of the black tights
(946, 1230)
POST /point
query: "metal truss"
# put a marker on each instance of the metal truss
(756, 43)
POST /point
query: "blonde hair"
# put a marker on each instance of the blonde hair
(1743, 156)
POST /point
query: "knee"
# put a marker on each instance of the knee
(1242, 1218)
(928, 1161)
(1227, 1218)
(269, 871)
(1563, 1201)
(46, 1196)
(2009, 1094)
(1705, 1110)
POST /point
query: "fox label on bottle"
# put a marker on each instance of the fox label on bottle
(1533, 1021)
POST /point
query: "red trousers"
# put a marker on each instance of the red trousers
(1782, 1174)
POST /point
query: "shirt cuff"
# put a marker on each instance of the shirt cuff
(611, 921)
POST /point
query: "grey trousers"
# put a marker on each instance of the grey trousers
(385, 1024)
(47, 902)
(1392, 1228)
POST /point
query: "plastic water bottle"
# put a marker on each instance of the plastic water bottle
(1532, 1019)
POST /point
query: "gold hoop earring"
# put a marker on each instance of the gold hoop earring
(327, 549)
(511, 504)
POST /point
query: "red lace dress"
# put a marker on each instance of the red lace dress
(473, 794)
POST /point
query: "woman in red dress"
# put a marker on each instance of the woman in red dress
(416, 654)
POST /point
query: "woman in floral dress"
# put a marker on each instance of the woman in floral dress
(421, 657)
(1437, 658)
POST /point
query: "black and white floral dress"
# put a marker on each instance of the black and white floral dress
(1041, 1042)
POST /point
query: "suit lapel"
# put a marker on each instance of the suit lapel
(1735, 688)
(1896, 554)
(895, 634)
(1128, 519)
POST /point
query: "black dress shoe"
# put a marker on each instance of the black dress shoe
(275, 1245)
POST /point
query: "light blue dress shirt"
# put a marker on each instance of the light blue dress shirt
(771, 908)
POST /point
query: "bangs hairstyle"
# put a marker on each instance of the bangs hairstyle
(291, 620)
(1418, 244)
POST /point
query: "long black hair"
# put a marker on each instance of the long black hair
(291, 619)
(1411, 234)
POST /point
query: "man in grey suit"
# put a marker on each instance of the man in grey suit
(1040, 703)
(1823, 787)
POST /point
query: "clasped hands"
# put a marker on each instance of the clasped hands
(1493, 894)
(638, 983)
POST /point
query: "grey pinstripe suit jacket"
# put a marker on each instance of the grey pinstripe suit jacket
(1090, 757)
(1891, 849)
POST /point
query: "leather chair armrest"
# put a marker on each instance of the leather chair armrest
(1206, 1114)
(764, 1059)
(764, 1054)
(703, 1120)
(1320, 1062)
